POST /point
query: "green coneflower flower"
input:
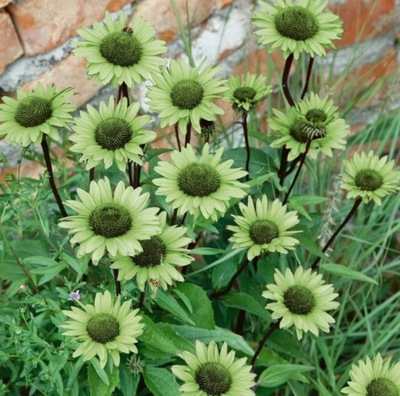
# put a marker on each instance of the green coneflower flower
(313, 118)
(199, 185)
(302, 300)
(374, 378)
(120, 54)
(105, 328)
(34, 113)
(299, 27)
(369, 177)
(156, 263)
(114, 133)
(115, 223)
(211, 372)
(245, 92)
(264, 227)
(181, 95)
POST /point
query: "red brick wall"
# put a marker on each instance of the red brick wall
(33, 27)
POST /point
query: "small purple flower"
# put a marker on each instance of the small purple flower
(74, 296)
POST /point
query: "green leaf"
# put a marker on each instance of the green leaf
(128, 383)
(160, 381)
(260, 179)
(167, 301)
(40, 261)
(281, 373)
(207, 251)
(308, 242)
(247, 303)
(226, 257)
(348, 273)
(95, 364)
(308, 199)
(154, 337)
(181, 343)
(218, 335)
(203, 314)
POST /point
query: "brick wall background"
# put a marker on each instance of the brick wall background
(37, 34)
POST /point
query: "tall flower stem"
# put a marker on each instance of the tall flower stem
(353, 210)
(296, 176)
(46, 154)
(222, 292)
(308, 77)
(261, 344)
(188, 134)
(137, 169)
(129, 171)
(117, 282)
(123, 92)
(288, 96)
(285, 80)
(91, 175)
(141, 299)
(178, 141)
(246, 139)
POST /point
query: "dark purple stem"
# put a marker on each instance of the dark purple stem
(46, 154)
(353, 210)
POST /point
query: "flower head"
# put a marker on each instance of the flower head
(199, 185)
(105, 328)
(74, 296)
(264, 227)
(374, 378)
(181, 95)
(213, 372)
(114, 133)
(313, 118)
(35, 113)
(302, 300)
(110, 222)
(245, 92)
(161, 254)
(120, 54)
(296, 28)
(369, 177)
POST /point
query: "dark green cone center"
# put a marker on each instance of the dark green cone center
(296, 23)
(244, 94)
(110, 220)
(301, 131)
(154, 250)
(103, 328)
(382, 387)
(33, 111)
(298, 131)
(187, 94)
(213, 378)
(368, 180)
(263, 231)
(199, 180)
(113, 133)
(316, 116)
(121, 49)
(299, 300)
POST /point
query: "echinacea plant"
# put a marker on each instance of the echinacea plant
(194, 267)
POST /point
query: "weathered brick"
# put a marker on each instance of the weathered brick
(369, 83)
(363, 19)
(10, 47)
(70, 72)
(45, 24)
(260, 62)
(160, 14)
